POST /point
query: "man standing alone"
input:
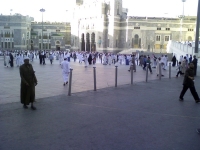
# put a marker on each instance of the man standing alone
(65, 70)
(28, 83)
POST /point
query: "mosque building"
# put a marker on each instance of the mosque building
(96, 25)
(104, 26)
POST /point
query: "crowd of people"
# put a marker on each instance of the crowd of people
(16, 57)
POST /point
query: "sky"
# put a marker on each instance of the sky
(57, 10)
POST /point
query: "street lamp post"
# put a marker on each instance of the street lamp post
(197, 29)
(42, 10)
(181, 21)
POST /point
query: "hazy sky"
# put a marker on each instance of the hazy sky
(56, 10)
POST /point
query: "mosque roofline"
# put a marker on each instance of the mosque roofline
(161, 18)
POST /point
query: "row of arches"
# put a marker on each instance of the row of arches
(89, 43)
(46, 45)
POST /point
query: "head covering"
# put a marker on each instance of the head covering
(26, 58)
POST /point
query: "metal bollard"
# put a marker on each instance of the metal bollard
(147, 72)
(116, 76)
(132, 75)
(70, 82)
(170, 70)
(160, 71)
(94, 70)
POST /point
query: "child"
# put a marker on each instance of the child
(180, 67)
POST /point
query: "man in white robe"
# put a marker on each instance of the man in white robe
(109, 59)
(80, 58)
(18, 60)
(163, 61)
(86, 59)
(7, 60)
(65, 70)
(21, 60)
(158, 61)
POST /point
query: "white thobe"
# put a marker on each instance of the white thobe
(65, 70)
(7, 60)
(157, 67)
(109, 60)
(86, 60)
(18, 61)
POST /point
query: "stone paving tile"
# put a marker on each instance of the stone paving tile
(143, 116)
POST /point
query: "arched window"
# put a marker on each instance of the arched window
(136, 39)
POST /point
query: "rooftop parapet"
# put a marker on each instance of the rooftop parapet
(16, 18)
(187, 18)
(51, 23)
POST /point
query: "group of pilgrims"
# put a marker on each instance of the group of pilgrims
(91, 58)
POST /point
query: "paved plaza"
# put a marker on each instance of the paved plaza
(142, 116)
(50, 81)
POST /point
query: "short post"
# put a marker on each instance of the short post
(70, 82)
(94, 70)
(160, 71)
(170, 71)
(147, 72)
(116, 75)
(132, 74)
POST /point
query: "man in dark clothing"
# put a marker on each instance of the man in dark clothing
(195, 62)
(90, 59)
(40, 57)
(190, 59)
(28, 83)
(11, 59)
(149, 66)
(188, 82)
(174, 61)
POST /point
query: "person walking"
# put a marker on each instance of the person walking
(65, 70)
(132, 63)
(7, 60)
(90, 59)
(174, 61)
(11, 59)
(195, 62)
(28, 83)
(51, 58)
(149, 66)
(158, 61)
(179, 70)
(188, 82)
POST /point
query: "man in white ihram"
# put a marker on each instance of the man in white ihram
(65, 70)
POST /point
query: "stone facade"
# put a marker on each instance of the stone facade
(15, 31)
(55, 35)
(96, 26)
(21, 33)
(105, 26)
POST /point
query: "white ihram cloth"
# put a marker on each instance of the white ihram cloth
(65, 70)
